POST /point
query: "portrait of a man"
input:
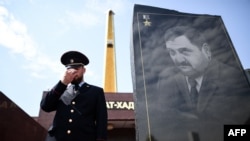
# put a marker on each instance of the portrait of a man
(199, 84)
(188, 79)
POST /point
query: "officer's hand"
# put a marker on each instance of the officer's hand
(69, 76)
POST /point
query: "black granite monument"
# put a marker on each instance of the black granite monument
(188, 80)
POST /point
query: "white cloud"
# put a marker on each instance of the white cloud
(42, 65)
(93, 13)
(14, 36)
(83, 19)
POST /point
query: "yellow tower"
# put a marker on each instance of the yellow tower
(110, 58)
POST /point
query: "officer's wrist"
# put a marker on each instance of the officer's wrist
(64, 82)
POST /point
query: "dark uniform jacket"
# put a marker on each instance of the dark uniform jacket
(83, 119)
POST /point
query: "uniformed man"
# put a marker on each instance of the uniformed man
(81, 113)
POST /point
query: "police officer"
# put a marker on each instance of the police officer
(81, 113)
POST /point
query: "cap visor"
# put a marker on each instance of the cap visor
(73, 66)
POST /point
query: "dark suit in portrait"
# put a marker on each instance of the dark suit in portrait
(223, 99)
(222, 94)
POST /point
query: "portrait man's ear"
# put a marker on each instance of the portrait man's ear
(206, 50)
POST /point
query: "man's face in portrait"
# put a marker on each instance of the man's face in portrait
(189, 58)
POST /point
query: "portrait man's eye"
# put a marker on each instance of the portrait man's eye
(171, 52)
(185, 51)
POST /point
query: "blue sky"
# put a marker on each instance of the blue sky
(34, 34)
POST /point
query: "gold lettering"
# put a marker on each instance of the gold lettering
(110, 104)
(131, 106)
(107, 104)
(125, 105)
(121, 105)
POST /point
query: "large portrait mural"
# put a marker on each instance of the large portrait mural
(188, 80)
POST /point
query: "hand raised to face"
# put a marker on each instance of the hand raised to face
(69, 76)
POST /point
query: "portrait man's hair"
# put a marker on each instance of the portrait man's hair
(194, 35)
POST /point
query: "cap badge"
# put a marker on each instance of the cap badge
(71, 60)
